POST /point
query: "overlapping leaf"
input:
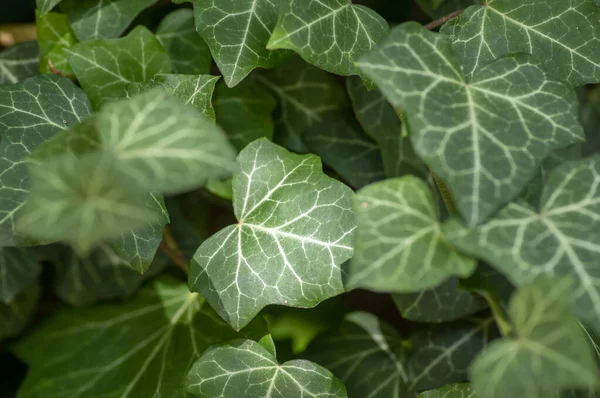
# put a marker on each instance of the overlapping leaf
(106, 68)
(549, 351)
(19, 269)
(54, 35)
(484, 136)
(399, 246)
(330, 34)
(45, 6)
(15, 316)
(441, 8)
(244, 365)
(463, 390)
(19, 62)
(590, 118)
(562, 35)
(295, 230)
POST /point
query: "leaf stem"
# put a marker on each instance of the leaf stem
(446, 194)
(169, 246)
(443, 20)
(498, 313)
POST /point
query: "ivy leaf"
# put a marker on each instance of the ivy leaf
(485, 136)
(252, 105)
(19, 62)
(237, 33)
(54, 35)
(569, 50)
(305, 95)
(188, 52)
(559, 238)
(549, 351)
(399, 246)
(443, 303)
(380, 121)
(245, 365)
(138, 348)
(19, 269)
(365, 354)
(330, 34)
(45, 6)
(441, 8)
(106, 68)
(463, 390)
(590, 118)
(294, 232)
(30, 113)
(15, 316)
(342, 144)
(102, 19)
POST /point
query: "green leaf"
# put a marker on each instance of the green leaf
(549, 351)
(484, 136)
(245, 112)
(559, 238)
(365, 354)
(138, 348)
(221, 188)
(295, 227)
(463, 390)
(330, 34)
(15, 316)
(380, 121)
(237, 33)
(19, 269)
(30, 113)
(54, 35)
(399, 246)
(105, 68)
(305, 95)
(441, 8)
(102, 19)
(563, 36)
(342, 144)
(19, 62)
(188, 52)
(45, 6)
(244, 365)
(590, 118)
(443, 303)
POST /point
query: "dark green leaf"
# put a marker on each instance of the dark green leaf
(19, 269)
(15, 316)
(590, 118)
(19, 62)
(441, 8)
(450, 391)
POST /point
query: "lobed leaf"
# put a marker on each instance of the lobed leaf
(19, 62)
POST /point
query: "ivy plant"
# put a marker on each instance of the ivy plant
(301, 198)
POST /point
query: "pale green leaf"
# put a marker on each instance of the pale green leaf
(237, 33)
(188, 52)
(15, 316)
(138, 348)
(562, 35)
(560, 237)
(30, 113)
(19, 269)
(244, 365)
(102, 19)
(245, 112)
(484, 136)
(463, 390)
(19, 62)
(54, 35)
(330, 34)
(399, 246)
(106, 68)
(45, 6)
(295, 229)
(365, 354)
(547, 353)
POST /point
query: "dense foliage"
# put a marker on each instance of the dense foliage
(302, 198)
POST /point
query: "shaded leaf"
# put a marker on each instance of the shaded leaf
(19, 62)
(221, 188)
(54, 35)
(463, 390)
(19, 269)
(441, 8)
(45, 6)
(590, 118)
(15, 316)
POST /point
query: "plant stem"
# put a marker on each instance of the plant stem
(443, 20)
(498, 313)
(169, 246)
(446, 194)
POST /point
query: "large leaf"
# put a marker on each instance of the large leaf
(562, 35)
(399, 246)
(139, 348)
(549, 351)
(45, 6)
(15, 316)
(19, 62)
(237, 33)
(102, 19)
(245, 365)
(365, 354)
(105, 68)
(54, 35)
(561, 237)
(188, 52)
(484, 136)
(19, 269)
(330, 34)
(295, 230)
(463, 390)
(30, 113)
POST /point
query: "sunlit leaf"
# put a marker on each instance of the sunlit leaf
(54, 35)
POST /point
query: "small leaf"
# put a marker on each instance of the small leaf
(19, 269)
(15, 316)
(102, 19)
(19, 62)
(244, 365)
(549, 351)
(54, 35)
(399, 246)
(188, 52)
(484, 136)
(45, 6)
(330, 34)
(294, 232)
(106, 68)
(463, 390)
(237, 33)
(221, 188)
